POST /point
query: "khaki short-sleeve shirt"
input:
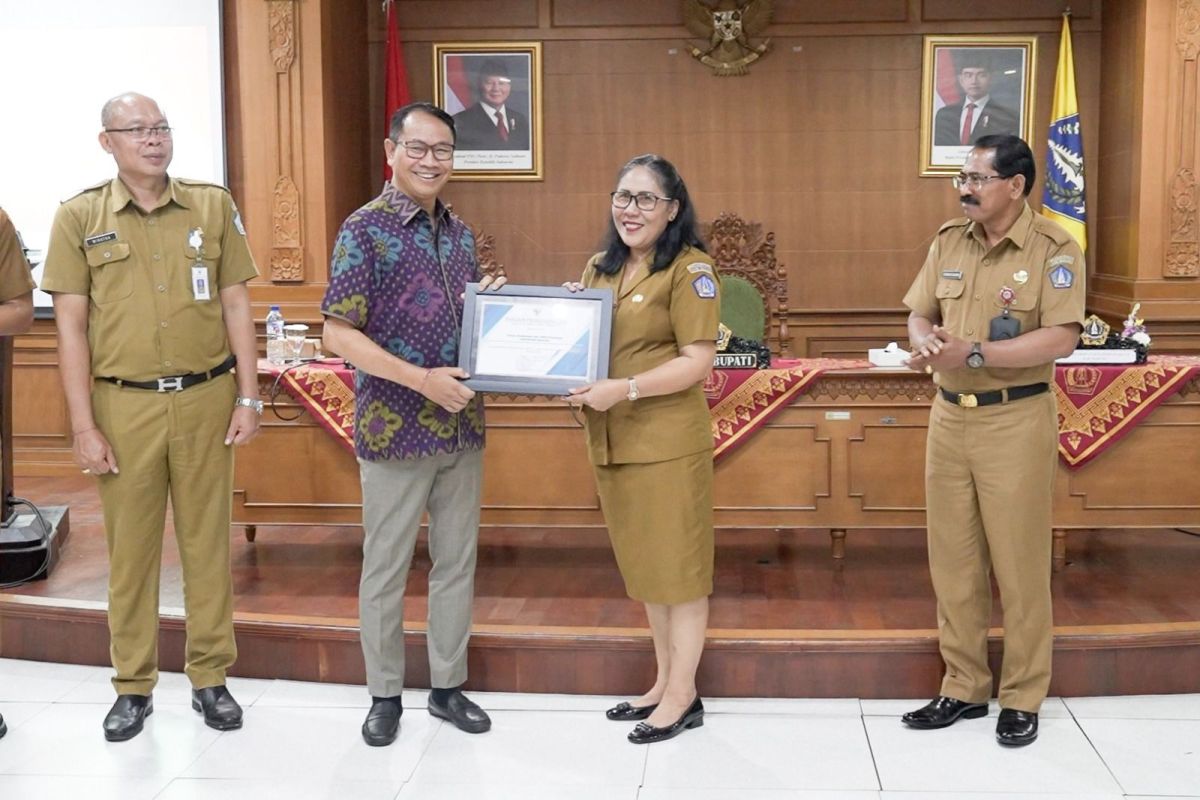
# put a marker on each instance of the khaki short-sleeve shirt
(961, 282)
(654, 317)
(145, 320)
(15, 279)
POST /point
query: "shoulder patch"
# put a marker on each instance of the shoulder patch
(705, 287)
(1061, 277)
(700, 266)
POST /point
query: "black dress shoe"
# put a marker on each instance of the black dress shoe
(126, 717)
(462, 713)
(1016, 728)
(221, 711)
(943, 711)
(623, 712)
(3, 727)
(383, 721)
(644, 733)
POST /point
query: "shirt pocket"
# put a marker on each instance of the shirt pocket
(110, 272)
(1023, 309)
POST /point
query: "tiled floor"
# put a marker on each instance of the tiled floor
(301, 741)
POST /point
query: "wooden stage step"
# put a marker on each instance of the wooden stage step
(551, 614)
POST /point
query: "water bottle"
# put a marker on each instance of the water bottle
(276, 343)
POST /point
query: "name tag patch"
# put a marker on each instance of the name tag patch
(1061, 277)
(700, 267)
(705, 287)
(952, 274)
(100, 238)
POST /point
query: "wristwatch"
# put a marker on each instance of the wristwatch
(633, 392)
(250, 402)
(975, 357)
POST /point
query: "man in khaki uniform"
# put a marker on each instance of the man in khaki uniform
(148, 274)
(16, 298)
(1000, 297)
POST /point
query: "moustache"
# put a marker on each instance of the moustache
(968, 200)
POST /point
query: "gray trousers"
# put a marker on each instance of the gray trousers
(395, 494)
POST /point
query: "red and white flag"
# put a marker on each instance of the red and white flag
(396, 81)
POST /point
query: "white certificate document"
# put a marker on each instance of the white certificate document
(537, 337)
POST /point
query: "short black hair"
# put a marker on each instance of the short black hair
(1011, 156)
(972, 58)
(493, 66)
(401, 114)
(681, 232)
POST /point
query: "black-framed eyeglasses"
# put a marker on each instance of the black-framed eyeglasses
(415, 148)
(141, 134)
(646, 201)
(975, 180)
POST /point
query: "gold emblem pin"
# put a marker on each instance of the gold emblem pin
(637, 298)
(1021, 277)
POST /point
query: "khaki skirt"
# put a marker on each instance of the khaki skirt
(660, 521)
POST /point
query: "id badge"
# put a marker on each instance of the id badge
(200, 288)
(1003, 327)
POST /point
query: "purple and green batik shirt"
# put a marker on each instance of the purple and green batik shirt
(391, 278)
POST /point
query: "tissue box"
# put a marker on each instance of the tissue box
(892, 356)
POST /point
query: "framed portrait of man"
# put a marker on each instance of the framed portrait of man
(494, 92)
(971, 87)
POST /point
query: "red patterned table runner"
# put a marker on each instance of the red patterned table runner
(1097, 405)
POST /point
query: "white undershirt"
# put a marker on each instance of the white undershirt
(493, 113)
(979, 104)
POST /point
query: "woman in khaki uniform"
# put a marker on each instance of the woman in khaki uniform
(648, 428)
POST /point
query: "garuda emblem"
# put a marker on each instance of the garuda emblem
(727, 26)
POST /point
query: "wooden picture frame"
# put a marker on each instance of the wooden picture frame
(997, 70)
(466, 75)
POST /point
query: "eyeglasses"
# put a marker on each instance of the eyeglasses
(646, 201)
(142, 134)
(975, 181)
(415, 148)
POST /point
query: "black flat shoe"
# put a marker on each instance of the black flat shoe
(221, 711)
(941, 712)
(623, 712)
(383, 721)
(1016, 728)
(692, 718)
(127, 716)
(462, 713)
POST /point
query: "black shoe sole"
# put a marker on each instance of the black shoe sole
(216, 725)
(379, 741)
(465, 727)
(128, 733)
(1016, 742)
(666, 733)
(971, 712)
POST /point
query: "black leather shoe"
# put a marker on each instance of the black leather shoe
(462, 713)
(125, 719)
(221, 711)
(692, 718)
(1016, 728)
(623, 712)
(941, 712)
(383, 721)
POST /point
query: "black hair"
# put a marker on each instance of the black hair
(1011, 156)
(492, 67)
(972, 58)
(680, 232)
(402, 114)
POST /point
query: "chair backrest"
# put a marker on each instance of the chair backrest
(753, 283)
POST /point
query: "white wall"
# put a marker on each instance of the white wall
(61, 59)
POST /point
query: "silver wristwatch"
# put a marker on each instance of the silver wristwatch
(633, 391)
(250, 402)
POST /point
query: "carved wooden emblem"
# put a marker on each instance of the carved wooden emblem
(727, 27)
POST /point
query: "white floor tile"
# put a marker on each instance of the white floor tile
(422, 790)
(34, 681)
(1146, 706)
(173, 689)
(67, 739)
(996, 796)
(509, 701)
(767, 752)
(17, 714)
(806, 707)
(294, 694)
(966, 758)
(313, 745)
(1149, 756)
(56, 787)
(562, 749)
(264, 789)
(692, 793)
(1052, 708)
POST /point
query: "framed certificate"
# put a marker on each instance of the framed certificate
(534, 339)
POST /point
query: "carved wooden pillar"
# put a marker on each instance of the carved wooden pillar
(1183, 250)
(287, 261)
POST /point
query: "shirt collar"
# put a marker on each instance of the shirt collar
(408, 208)
(1018, 234)
(121, 196)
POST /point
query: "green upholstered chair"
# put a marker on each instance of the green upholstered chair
(753, 284)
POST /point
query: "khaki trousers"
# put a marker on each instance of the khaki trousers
(170, 443)
(395, 495)
(989, 475)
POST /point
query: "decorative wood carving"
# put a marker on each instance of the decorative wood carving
(740, 248)
(282, 15)
(900, 388)
(485, 254)
(1183, 247)
(1187, 34)
(287, 261)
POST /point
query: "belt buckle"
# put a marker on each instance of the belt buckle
(172, 384)
(968, 401)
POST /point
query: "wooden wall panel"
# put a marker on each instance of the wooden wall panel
(971, 10)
